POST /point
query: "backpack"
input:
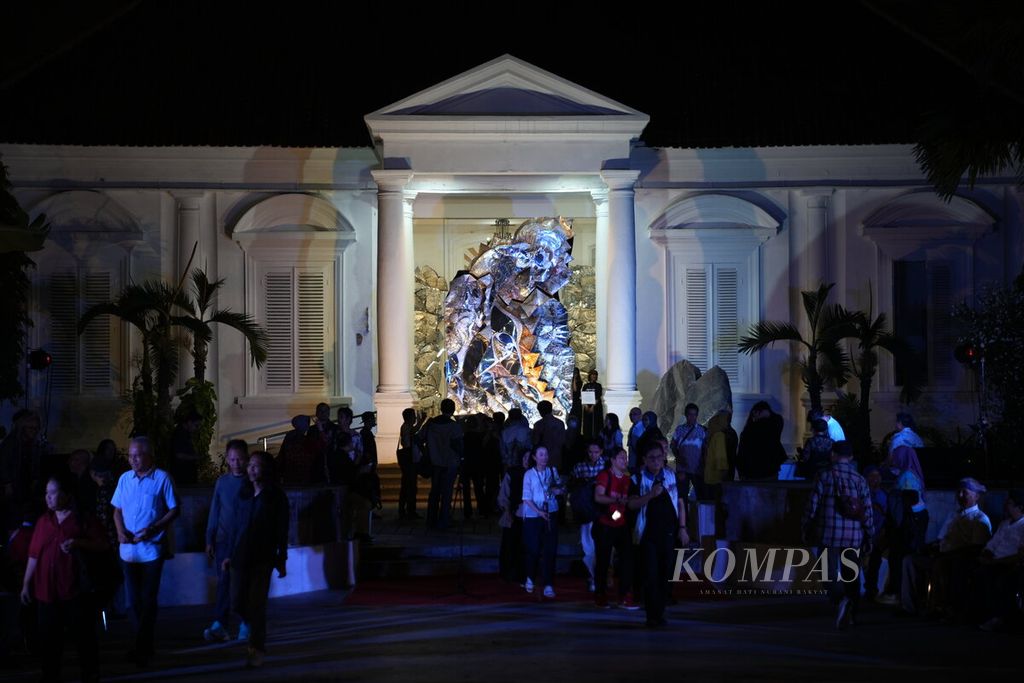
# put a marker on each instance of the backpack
(581, 496)
(424, 466)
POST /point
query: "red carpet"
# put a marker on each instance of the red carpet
(480, 589)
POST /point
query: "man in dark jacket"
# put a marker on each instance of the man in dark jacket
(549, 432)
(258, 545)
(444, 443)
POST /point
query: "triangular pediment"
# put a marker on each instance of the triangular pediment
(506, 87)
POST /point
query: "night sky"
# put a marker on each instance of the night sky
(158, 72)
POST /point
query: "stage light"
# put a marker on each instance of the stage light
(39, 359)
(967, 353)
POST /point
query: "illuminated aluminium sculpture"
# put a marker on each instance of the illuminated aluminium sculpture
(506, 333)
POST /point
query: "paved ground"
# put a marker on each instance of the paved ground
(319, 636)
(316, 637)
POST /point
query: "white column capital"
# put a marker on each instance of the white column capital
(618, 181)
(818, 200)
(389, 180)
(600, 198)
(188, 199)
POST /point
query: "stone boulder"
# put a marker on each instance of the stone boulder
(683, 384)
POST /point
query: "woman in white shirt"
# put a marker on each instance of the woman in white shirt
(541, 485)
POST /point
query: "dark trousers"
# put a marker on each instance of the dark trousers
(905, 540)
(995, 588)
(874, 566)
(439, 504)
(250, 589)
(222, 603)
(540, 542)
(78, 617)
(510, 557)
(407, 492)
(657, 552)
(474, 476)
(700, 491)
(843, 579)
(620, 539)
(143, 582)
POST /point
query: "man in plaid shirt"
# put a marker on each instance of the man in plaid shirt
(587, 471)
(838, 519)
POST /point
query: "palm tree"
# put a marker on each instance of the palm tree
(825, 360)
(975, 129)
(149, 307)
(199, 325)
(18, 236)
(199, 395)
(871, 336)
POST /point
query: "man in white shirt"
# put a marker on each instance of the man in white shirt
(835, 430)
(997, 575)
(144, 505)
(961, 538)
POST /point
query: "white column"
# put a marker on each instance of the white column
(188, 214)
(208, 246)
(619, 259)
(395, 302)
(601, 276)
(816, 253)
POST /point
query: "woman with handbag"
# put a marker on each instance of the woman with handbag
(57, 579)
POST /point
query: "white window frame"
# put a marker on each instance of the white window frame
(918, 226)
(714, 232)
(99, 258)
(263, 263)
(296, 231)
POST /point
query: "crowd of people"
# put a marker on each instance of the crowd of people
(78, 526)
(88, 530)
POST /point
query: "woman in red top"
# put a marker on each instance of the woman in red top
(52, 579)
(611, 488)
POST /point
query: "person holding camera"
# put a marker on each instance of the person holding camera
(660, 521)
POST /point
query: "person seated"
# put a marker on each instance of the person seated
(1000, 569)
(944, 564)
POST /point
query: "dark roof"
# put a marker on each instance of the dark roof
(191, 72)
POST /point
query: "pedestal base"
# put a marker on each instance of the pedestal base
(389, 407)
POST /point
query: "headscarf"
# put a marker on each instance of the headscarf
(905, 458)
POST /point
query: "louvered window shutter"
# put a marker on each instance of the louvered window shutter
(312, 330)
(279, 302)
(696, 317)
(63, 345)
(96, 337)
(940, 334)
(727, 337)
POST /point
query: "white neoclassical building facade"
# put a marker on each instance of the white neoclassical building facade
(689, 247)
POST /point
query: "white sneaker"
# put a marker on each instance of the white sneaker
(590, 585)
(529, 585)
(887, 599)
(549, 592)
(216, 633)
